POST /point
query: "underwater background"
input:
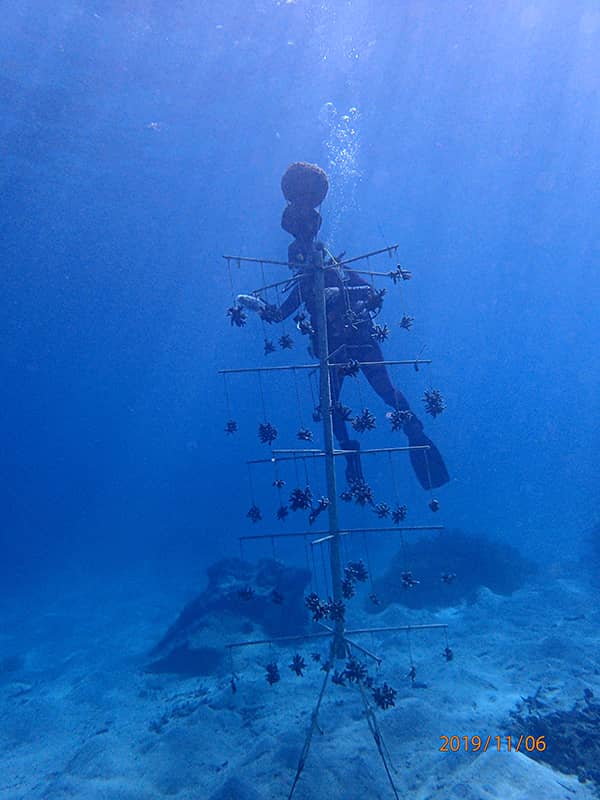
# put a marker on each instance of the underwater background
(140, 141)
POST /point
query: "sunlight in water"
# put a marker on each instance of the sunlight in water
(342, 146)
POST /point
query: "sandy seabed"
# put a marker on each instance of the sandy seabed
(81, 718)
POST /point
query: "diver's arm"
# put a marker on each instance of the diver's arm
(355, 281)
(358, 290)
(289, 305)
(266, 311)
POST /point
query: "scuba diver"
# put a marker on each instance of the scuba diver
(351, 304)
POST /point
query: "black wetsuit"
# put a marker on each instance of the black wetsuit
(349, 332)
(350, 329)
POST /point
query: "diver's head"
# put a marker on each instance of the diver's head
(301, 221)
(304, 186)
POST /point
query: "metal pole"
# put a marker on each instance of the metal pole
(339, 647)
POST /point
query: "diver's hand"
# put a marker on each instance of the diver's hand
(251, 302)
(266, 311)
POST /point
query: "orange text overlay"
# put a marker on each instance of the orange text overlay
(474, 744)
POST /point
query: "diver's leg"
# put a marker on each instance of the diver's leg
(340, 430)
(427, 464)
(379, 379)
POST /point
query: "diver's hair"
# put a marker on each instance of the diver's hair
(305, 184)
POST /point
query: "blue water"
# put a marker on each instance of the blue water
(140, 141)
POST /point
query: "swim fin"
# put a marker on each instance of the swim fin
(428, 465)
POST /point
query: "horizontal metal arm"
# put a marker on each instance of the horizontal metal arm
(368, 451)
(295, 535)
(402, 529)
(404, 362)
(303, 453)
(343, 532)
(328, 633)
(391, 250)
(394, 628)
(250, 260)
(297, 638)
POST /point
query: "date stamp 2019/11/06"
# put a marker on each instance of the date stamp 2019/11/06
(506, 743)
